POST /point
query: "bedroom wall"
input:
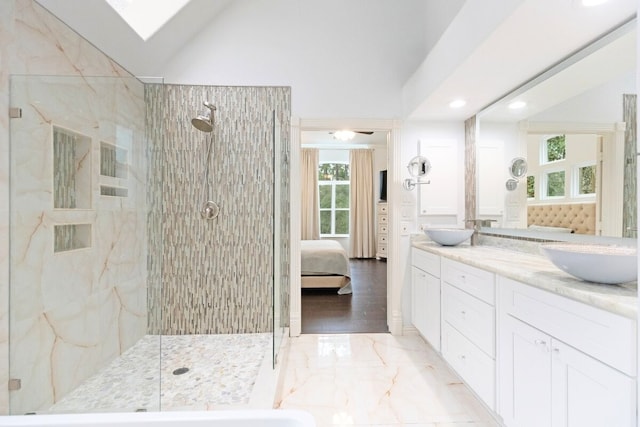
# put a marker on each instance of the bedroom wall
(32, 42)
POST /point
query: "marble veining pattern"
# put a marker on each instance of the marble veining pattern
(34, 42)
(375, 379)
(222, 372)
(538, 271)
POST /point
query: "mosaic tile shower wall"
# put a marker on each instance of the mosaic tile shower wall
(214, 276)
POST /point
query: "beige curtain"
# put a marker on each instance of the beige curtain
(310, 210)
(361, 209)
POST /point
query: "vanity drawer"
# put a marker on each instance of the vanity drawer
(474, 281)
(606, 336)
(473, 318)
(476, 368)
(426, 261)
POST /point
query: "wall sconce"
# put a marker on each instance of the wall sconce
(517, 170)
(418, 168)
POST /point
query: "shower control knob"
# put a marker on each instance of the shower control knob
(209, 210)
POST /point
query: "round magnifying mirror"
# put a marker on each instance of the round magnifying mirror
(419, 166)
(518, 167)
(511, 184)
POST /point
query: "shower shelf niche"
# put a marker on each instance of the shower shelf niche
(106, 190)
(71, 169)
(113, 161)
(114, 170)
(70, 237)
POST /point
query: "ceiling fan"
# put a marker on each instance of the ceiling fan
(346, 135)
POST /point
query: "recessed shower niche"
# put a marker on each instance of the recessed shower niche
(71, 170)
(113, 170)
(113, 161)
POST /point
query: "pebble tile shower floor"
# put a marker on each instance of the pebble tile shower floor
(222, 371)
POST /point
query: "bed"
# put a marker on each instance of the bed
(580, 218)
(325, 264)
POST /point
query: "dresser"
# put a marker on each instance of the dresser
(383, 222)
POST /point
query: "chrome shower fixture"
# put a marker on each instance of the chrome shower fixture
(204, 121)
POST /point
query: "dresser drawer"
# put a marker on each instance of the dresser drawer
(383, 220)
(426, 261)
(382, 208)
(476, 368)
(382, 249)
(477, 282)
(382, 228)
(473, 318)
(606, 336)
(382, 239)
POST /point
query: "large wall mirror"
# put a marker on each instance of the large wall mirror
(575, 126)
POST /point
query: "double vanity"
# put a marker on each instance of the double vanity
(537, 346)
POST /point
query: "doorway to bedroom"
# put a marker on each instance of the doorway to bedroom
(344, 201)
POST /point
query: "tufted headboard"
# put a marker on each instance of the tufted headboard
(580, 217)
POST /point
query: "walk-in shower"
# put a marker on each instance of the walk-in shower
(115, 282)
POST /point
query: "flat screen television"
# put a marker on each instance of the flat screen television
(383, 185)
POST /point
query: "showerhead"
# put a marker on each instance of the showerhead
(204, 121)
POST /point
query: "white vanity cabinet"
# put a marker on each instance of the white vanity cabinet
(425, 292)
(468, 326)
(563, 363)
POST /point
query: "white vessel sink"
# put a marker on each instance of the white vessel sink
(594, 263)
(448, 236)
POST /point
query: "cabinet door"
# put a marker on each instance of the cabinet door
(525, 375)
(587, 392)
(425, 305)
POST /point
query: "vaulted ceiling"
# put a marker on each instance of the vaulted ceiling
(441, 49)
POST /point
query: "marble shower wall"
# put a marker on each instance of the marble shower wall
(215, 276)
(34, 42)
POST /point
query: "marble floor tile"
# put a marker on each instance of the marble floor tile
(375, 379)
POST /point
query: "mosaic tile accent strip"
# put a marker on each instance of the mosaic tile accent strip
(216, 275)
(470, 186)
(629, 203)
(222, 370)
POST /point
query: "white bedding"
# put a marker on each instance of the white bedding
(323, 258)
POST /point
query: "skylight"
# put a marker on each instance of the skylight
(146, 17)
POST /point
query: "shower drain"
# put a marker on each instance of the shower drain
(180, 371)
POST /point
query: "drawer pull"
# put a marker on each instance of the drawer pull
(464, 313)
(556, 350)
(463, 277)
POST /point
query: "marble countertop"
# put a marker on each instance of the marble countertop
(538, 271)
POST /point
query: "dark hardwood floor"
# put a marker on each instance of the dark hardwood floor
(326, 312)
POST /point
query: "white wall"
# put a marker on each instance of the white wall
(412, 132)
(341, 58)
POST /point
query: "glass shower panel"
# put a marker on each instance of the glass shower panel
(79, 244)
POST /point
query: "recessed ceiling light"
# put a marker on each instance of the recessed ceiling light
(516, 105)
(457, 103)
(592, 3)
